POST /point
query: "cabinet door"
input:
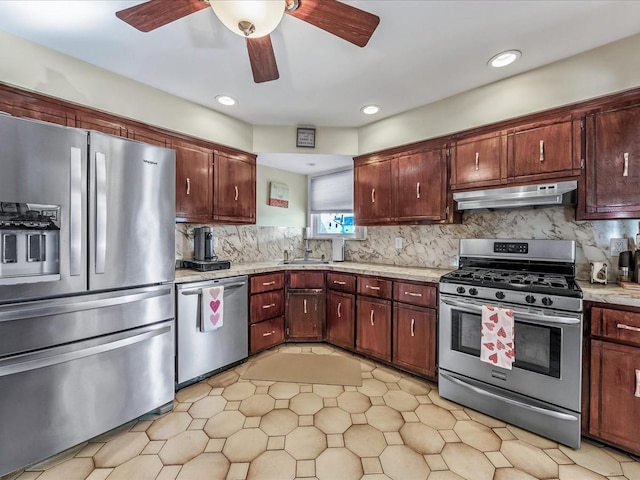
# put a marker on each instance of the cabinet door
(305, 315)
(421, 186)
(613, 164)
(148, 136)
(340, 319)
(305, 279)
(266, 334)
(372, 192)
(373, 327)
(235, 189)
(266, 305)
(414, 339)
(27, 107)
(193, 182)
(615, 394)
(99, 124)
(549, 151)
(479, 162)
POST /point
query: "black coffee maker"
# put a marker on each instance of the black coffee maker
(203, 244)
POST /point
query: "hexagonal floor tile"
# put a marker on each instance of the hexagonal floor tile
(272, 465)
(328, 391)
(245, 445)
(478, 436)
(401, 463)
(441, 402)
(531, 438)
(364, 440)
(354, 402)
(436, 417)
(401, 401)
(332, 420)
(207, 407)
(205, 465)
(594, 458)
(338, 463)
(468, 462)
(143, 467)
(529, 459)
(284, 390)
(386, 375)
(384, 418)
(120, 449)
(305, 443)
(168, 426)
(224, 424)
(239, 391)
(224, 379)
(422, 438)
(414, 386)
(306, 403)
(72, 469)
(183, 447)
(372, 387)
(193, 393)
(257, 405)
(278, 422)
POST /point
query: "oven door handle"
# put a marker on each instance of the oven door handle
(479, 391)
(546, 319)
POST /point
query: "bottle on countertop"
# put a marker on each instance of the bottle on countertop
(285, 254)
(638, 238)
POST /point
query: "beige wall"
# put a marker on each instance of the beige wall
(268, 216)
(329, 140)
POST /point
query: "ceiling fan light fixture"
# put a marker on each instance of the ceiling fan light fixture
(226, 100)
(370, 109)
(503, 59)
(249, 18)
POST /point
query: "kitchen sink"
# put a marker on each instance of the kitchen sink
(302, 261)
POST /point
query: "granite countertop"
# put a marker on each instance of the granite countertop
(612, 293)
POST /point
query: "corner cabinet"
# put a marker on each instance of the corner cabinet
(235, 188)
(612, 178)
(305, 306)
(194, 172)
(372, 190)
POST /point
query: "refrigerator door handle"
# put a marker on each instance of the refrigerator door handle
(101, 211)
(46, 359)
(63, 306)
(75, 213)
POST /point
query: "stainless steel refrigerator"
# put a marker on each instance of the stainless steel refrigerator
(87, 259)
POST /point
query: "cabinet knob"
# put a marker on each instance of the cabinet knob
(625, 171)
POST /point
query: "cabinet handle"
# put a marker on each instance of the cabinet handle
(625, 172)
(371, 288)
(412, 294)
(413, 324)
(542, 150)
(338, 282)
(373, 195)
(418, 190)
(477, 161)
(304, 304)
(622, 326)
(268, 334)
(236, 189)
(371, 317)
(271, 305)
(637, 394)
(266, 284)
(188, 186)
(339, 309)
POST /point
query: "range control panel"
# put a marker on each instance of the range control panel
(511, 247)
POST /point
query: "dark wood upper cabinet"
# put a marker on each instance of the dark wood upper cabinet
(372, 191)
(479, 161)
(612, 178)
(235, 188)
(148, 136)
(101, 123)
(194, 171)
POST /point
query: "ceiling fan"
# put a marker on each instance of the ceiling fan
(256, 19)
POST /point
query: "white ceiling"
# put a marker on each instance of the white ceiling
(422, 51)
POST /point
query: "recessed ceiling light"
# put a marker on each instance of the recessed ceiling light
(311, 164)
(504, 58)
(370, 109)
(226, 100)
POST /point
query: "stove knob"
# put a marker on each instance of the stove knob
(473, 291)
(530, 299)
(460, 290)
(547, 301)
(499, 295)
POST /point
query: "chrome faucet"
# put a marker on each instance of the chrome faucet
(307, 250)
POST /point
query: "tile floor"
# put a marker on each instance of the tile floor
(392, 427)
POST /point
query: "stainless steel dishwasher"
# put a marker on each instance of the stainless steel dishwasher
(201, 353)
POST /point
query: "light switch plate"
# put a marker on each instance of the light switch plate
(619, 245)
(398, 242)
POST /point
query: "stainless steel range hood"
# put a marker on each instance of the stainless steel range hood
(558, 193)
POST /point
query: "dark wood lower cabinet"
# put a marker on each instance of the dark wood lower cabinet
(305, 315)
(373, 327)
(266, 334)
(341, 319)
(414, 339)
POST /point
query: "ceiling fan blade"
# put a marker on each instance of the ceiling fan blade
(262, 58)
(155, 13)
(344, 21)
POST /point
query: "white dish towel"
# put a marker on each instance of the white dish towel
(211, 308)
(497, 337)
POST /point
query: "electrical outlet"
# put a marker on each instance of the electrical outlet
(398, 242)
(619, 245)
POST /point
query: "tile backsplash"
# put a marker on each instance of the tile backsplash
(424, 245)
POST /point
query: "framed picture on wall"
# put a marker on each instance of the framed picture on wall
(306, 138)
(278, 195)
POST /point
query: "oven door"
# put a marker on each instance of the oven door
(548, 350)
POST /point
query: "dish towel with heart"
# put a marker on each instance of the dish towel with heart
(497, 337)
(212, 308)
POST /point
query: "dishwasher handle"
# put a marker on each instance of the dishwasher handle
(198, 291)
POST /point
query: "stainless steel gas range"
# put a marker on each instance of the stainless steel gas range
(534, 279)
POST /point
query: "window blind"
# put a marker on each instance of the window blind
(331, 192)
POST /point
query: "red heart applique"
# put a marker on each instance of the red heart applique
(494, 318)
(214, 319)
(214, 292)
(490, 326)
(494, 358)
(510, 344)
(502, 333)
(489, 346)
(510, 354)
(215, 305)
(500, 345)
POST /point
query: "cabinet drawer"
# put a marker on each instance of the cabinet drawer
(375, 287)
(415, 293)
(616, 325)
(341, 281)
(265, 283)
(266, 334)
(266, 305)
(306, 279)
